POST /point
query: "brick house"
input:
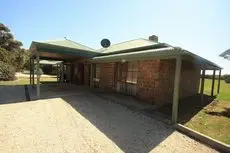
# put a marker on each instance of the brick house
(154, 72)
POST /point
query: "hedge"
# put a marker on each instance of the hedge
(7, 71)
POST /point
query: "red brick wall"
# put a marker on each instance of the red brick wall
(155, 82)
(164, 86)
(147, 80)
(190, 79)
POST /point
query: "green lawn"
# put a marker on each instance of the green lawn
(224, 89)
(214, 119)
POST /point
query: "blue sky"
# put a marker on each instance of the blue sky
(202, 27)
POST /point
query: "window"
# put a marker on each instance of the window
(121, 71)
(132, 72)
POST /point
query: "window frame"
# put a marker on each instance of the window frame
(132, 72)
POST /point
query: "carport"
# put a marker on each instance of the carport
(66, 51)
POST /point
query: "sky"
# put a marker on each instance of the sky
(202, 27)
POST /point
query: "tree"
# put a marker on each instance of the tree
(12, 56)
(7, 40)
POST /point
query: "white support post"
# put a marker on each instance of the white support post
(33, 72)
(218, 88)
(30, 68)
(62, 72)
(38, 75)
(176, 90)
(57, 71)
(213, 82)
(91, 76)
(202, 87)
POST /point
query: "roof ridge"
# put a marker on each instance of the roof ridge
(126, 41)
(51, 40)
(149, 40)
(78, 43)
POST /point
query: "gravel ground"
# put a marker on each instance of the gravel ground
(86, 123)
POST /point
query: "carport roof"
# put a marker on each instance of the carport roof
(68, 43)
(62, 50)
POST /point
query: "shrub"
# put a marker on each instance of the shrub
(227, 80)
(226, 76)
(5, 56)
(7, 71)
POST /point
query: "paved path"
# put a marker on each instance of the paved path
(86, 123)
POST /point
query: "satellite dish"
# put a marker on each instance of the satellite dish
(105, 43)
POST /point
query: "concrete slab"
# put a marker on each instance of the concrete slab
(55, 90)
(12, 94)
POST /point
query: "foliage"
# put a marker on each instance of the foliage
(7, 71)
(26, 65)
(227, 80)
(16, 59)
(5, 56)
(11, 53)
(7, 40)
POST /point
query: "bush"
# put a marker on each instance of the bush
(7, 71)
(5, 56)
(226, 76)
(227, 80)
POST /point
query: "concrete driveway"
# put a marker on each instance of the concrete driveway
(86, 123)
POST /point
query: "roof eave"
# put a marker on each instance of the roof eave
(141, 55)
(136, 49)
(185, 52)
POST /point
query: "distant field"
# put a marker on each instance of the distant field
(214, 119)
(26, 81)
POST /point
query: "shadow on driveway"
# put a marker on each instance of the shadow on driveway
(12, 94)
(131, 131)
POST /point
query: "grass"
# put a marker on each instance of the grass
(214, 119)
(224, 94)
(26, 81)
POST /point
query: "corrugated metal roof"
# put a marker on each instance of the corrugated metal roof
(137, 54)
(68, 43)
(136, 43)
(165, 52)
(133, 49)
(65, 47)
